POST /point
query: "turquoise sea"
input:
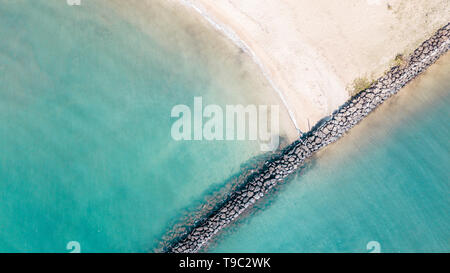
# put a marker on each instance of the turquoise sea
(86, 153)
(387, 182)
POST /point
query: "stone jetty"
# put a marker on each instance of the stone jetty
(329, 130)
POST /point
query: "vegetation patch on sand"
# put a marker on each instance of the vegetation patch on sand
(360, 84)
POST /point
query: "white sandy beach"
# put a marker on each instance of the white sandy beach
(314, 50)
(310, 52)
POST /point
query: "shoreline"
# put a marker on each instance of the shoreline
(240, 43)
(331, 129)
(195, 36)
(312, 53)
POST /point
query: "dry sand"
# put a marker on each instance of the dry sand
(312, 51)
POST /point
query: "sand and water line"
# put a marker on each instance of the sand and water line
(86, 152)
(86, 97)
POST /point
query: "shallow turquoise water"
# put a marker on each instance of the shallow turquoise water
(387, 181)
(85, 148)
(86, 153)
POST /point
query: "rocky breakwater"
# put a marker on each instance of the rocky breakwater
(329, 130)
